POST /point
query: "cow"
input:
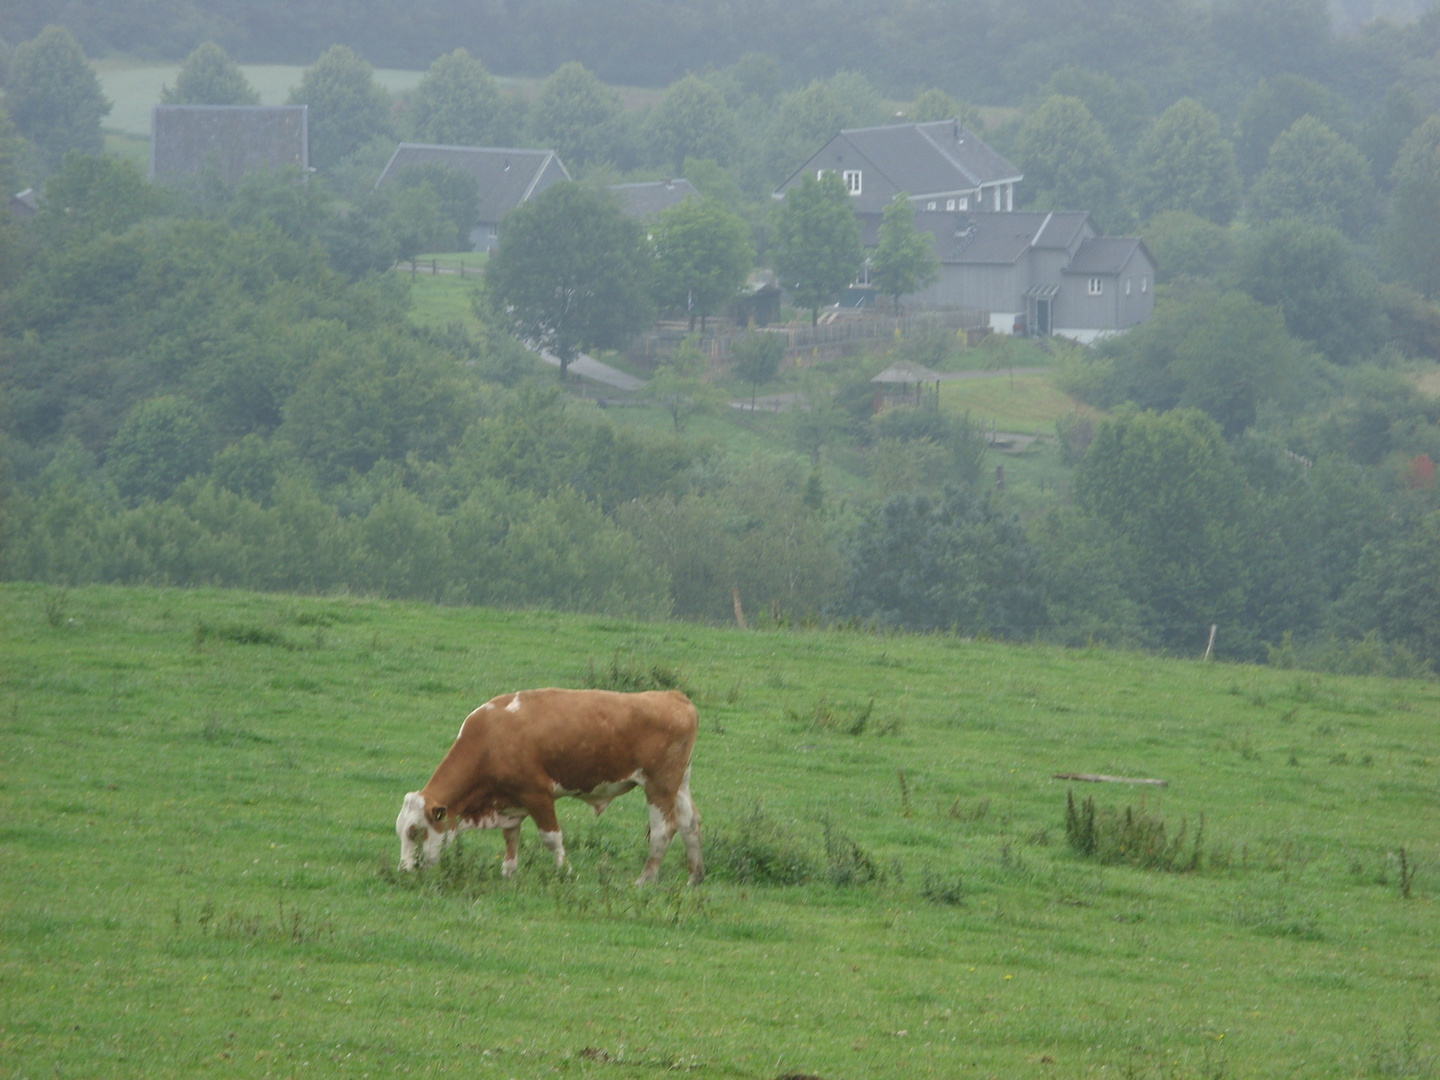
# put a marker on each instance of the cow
(517, 753)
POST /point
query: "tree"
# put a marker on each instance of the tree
(692, 120)
(1274, 105)
(1316, 176)
(1066, 155)
(957, 563)
(94, 195)
(458, 193)
(347, 107)
(937, 105)
(569, 273)
(904, 261)
(1184, 162)
(1121, 107)
(755, 357)
(702, 255)
(1185, 245)
(581, 117)
(1411, 241)
(817, 248)
(54, 98)
(209, 77)
(162, 441)
(1313, 275)
(679, 387)
(458, 104)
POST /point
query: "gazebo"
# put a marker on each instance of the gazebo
(904, 373)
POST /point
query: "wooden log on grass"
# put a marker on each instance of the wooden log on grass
(1096, 778)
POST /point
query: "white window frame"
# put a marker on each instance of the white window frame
(949, 204)
(1096, 287)
(964, 202)
(1144, 283)
(930, 205)
(1127, 286)
(852, 180)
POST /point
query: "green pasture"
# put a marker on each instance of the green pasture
(1027, 404)
(197, 805)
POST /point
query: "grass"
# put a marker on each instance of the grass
(440, 299)
(198, 853)
(1025, 404)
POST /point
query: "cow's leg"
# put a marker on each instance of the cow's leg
(662, 831)
(541, 807)
(688, 817)
(512, 850)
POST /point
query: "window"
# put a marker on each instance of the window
(852, 180)
(949, 204)
(965, 203)
(1144, 283)
(1127, 286)
(1097, 286)
(930, 205)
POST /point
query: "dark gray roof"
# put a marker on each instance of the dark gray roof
(907, 372)
(505, 177)
(643, 199)
(233, 139)
(1106, 255)
(998, 236)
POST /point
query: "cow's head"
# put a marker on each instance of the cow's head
(421, 829)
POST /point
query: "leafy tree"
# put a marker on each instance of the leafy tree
(817, 248)
(53, 96)
(1184, 162)
(581, 117)
(458, 195)
(755, 357)
(904, 261)
(347, 107)
(937, 105)
(702, 256)
(1383, 135)
(459, 104)
(956, 563)
(161, 442)
(692, 120)
(94, 195)
(209, 77)
(1121, 107)
(569, 273)
(1397, 590)
(1411, 240)
(752, 82)
(680, 388)
(1313, 275)
(1185, 245)
(806, 119)
(1273, 35)
(1070, 161)
(1273, 106)
(1314, 175)
(1166, 485)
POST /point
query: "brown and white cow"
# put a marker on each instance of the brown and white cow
(518, 752)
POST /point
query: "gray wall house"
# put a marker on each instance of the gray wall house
(227, 141)
(505, 178)
(939, 165)
(1038, 272)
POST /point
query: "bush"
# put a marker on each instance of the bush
(760, 851)
(1129, 838)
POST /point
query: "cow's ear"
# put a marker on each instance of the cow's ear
(438, 814)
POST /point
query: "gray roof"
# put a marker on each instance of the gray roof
(1107, 255)
(186, 140)
(998, 236)
(643, 199)
(505, 177)
(906, 372)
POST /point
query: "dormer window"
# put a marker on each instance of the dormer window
(1097, 286)
(852, 180)
(930, 205)
(964, 202)
(949, 204)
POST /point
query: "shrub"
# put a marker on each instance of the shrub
(1130, 838)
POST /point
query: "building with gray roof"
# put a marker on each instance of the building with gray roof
(1039, 272)
(504, 178)
(651, 196)
(227, 141)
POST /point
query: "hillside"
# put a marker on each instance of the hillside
(200, 788)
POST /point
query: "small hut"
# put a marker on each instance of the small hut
(897, 379)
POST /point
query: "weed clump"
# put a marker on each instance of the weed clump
(632, 675)
(239, 634)
(826, 716)
(759, 850)
(1130, 837)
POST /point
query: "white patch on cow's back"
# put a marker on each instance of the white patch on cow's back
(514, 705)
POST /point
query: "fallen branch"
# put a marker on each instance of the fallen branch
(1094, 778)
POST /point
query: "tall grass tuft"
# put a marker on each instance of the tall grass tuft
(1130, 837)
(633, 675)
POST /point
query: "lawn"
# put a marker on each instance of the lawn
(199, 789)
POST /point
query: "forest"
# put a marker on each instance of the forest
(229, 385)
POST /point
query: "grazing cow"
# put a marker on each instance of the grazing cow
(518, 752)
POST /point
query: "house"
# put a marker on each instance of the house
(1037, 272)
(504, 177)
(940, 165)
(650, 197)
(227, 141)
(25, 204)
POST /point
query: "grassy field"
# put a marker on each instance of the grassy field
(199, 787)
